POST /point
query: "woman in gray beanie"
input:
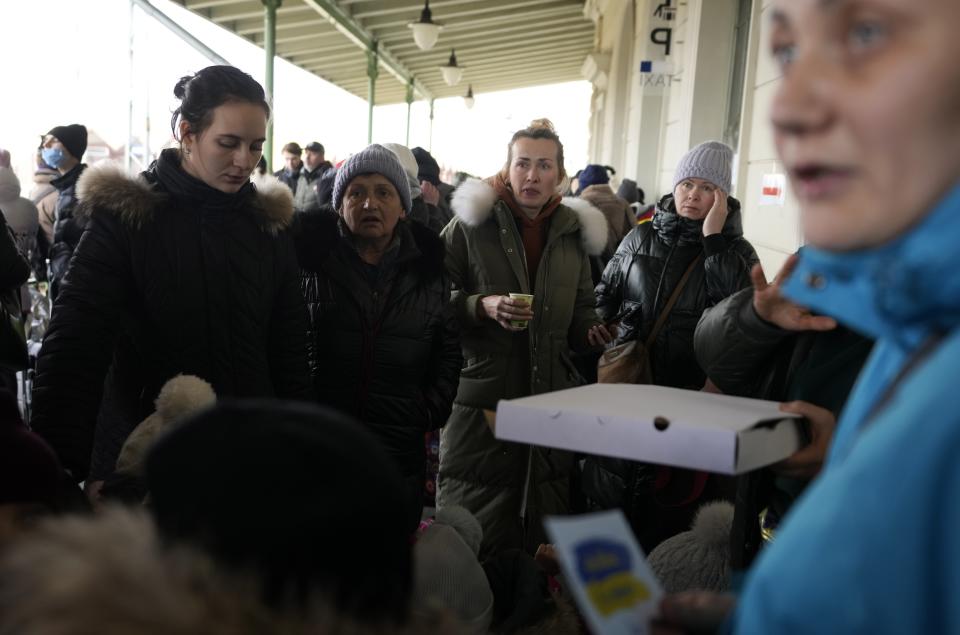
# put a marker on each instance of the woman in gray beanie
(695, 240)
(383, 343)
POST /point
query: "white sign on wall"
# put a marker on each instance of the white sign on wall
(773, 189)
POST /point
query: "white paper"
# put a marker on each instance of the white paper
(703, 430)
(606, 571)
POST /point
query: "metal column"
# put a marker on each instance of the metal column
(270, 48)
(373, 71)
(430, 140)
(409, 106)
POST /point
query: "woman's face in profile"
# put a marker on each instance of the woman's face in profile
(867, 117)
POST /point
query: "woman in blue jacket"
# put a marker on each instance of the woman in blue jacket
(867, 123)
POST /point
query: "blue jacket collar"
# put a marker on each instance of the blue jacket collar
(900, 291)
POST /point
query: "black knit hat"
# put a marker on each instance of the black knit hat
(73, 138)
(428, 168)
(300, 495)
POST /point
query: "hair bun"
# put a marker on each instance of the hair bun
(543, 123)
(180, 89)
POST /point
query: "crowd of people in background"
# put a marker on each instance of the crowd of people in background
(263, 402)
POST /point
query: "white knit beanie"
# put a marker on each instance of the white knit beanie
(699, 558)
(711, 160)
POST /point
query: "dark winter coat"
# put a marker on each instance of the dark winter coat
(746, 356)
(384, 342)
(171, 276)
(646, 269)
(67, 228)
(511, 487)
(428, 215)
(288, 178)
(14, 268)
(307, 198)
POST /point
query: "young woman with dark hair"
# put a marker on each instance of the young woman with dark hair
(186, 268)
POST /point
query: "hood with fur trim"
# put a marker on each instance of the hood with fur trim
(474, 200)
(106, 186)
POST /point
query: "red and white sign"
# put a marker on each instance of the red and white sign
(773, 189)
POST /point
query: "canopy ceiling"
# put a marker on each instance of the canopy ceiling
(501, 44)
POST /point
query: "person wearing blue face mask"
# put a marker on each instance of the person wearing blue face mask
(62, 149)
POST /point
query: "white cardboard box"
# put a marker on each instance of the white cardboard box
(667, 426)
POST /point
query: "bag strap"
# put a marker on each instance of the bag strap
(662, 319)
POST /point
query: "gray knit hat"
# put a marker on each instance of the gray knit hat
(447, 574)
(711, 160)
(699, 558)
(374, 159)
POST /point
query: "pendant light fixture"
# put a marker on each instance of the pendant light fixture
(426, 31)
(451, 72)
(468, 99)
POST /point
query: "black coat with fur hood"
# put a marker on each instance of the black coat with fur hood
(384, 342)
(170, 277)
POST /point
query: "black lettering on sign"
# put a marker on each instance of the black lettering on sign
(662, 36)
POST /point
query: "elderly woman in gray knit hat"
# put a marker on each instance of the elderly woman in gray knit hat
(384, 345)
(693, 253)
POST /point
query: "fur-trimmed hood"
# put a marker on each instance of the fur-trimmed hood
(134, 199)
(474, 200)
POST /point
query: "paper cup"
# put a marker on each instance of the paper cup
(521, 324)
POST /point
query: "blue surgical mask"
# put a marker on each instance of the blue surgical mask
(54, 157)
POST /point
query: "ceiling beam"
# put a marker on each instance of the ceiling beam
(253, 27)
(446, 35)
(207, 4)
(376, 10)
(550, 54)
(468, 55)
(502, 35)
(221, 17)
(355, 32)
(506, 10)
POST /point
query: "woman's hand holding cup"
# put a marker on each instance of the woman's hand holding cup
(512, 312)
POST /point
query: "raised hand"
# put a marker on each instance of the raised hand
(771, 306)
(717, 216)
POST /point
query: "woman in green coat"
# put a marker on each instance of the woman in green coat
(516, 235)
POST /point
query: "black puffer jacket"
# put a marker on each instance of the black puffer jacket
(384, 341)
(67, 226)
(645, 270)
(171, 276)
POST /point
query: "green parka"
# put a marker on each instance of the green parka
(508, 486)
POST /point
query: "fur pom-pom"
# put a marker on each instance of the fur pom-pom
(713, 523)
(183, 395)
(464, 523)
